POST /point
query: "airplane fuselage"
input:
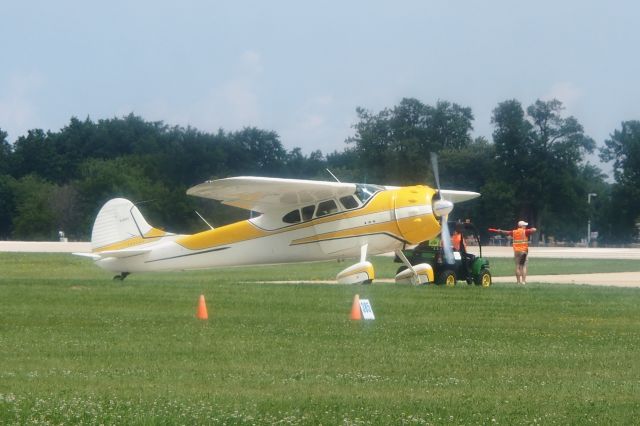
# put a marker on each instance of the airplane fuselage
(390, 219)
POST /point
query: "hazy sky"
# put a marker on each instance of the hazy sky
(301, 68)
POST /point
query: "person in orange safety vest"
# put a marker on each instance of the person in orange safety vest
(458, 244)
(520, 237)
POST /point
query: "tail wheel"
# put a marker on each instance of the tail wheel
(484, 278)
(447, 278)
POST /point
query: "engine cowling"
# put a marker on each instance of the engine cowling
(414, 213)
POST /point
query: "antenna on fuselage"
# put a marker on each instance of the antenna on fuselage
(334, 176)
(203, 219)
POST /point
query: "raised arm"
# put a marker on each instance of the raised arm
(500, 231)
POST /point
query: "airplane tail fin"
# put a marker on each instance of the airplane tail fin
(120, 225)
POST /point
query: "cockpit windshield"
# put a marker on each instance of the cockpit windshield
(365, 191)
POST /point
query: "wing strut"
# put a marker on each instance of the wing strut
(203, 219)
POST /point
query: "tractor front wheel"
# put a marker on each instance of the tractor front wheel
(484, 278)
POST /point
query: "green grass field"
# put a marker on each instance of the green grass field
(77, 347)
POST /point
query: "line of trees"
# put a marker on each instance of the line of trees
(533, 169)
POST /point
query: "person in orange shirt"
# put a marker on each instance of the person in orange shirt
(457, 240)
(520, 237)
(458, 244)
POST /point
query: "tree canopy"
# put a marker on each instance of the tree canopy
(533, 169)
(542, 157)
(623, 148)
(394, 144)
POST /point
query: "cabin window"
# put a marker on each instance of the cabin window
(307, 212)
(292, 217)
(326, 207)
(365, 191)
(349, 202)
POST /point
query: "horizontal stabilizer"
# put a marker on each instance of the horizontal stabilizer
(114, 253)
(91, 255)
(123, 253)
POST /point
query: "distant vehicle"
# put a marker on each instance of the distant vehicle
(465, 266)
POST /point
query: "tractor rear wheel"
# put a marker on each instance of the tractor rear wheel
(448, 278)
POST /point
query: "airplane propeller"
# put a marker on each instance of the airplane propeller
(442, 208)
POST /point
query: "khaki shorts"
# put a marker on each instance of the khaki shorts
(520, 257)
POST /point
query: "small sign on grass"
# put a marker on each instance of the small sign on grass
(367, 310)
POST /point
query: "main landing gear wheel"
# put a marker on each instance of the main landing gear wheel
(121, 276)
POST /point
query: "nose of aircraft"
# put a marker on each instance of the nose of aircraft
(442, 207)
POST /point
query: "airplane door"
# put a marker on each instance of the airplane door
(331, 233)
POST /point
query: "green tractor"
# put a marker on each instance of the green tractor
(466, 267)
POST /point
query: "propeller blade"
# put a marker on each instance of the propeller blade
(442, 208)
(445, 237)
(434, 166)
(458, 196)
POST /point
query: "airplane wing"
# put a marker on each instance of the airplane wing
(261, 194)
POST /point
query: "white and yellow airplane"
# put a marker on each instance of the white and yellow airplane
(298, 221)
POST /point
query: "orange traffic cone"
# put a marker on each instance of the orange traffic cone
(202, 309)
(355, 309)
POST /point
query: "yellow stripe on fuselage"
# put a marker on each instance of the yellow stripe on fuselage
(390, 228)
(229, 234)
(153, 235)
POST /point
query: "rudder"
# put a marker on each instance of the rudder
(120, 221)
